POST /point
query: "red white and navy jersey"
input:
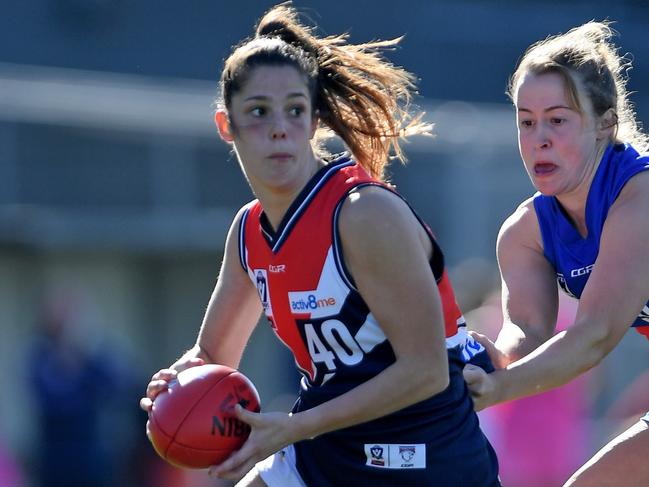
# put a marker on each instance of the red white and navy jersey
(307, 293)
(312, 303)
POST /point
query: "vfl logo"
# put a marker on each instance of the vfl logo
(377, 455)
(262, 286)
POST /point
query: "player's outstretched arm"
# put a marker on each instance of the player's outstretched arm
(615, 294)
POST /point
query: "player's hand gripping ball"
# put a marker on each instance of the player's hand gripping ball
(192, 424)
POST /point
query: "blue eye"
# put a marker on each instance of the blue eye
(257, 111)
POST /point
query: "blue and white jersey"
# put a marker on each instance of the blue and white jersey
(573, 256)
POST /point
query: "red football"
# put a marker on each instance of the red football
(192, 424)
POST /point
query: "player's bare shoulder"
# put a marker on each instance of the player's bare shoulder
(376, 210)
(370, 203)
(380, 220)
(521, 228)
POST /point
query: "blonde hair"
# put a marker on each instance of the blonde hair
(356, 93)
(588, 61)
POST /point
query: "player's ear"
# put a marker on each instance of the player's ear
(223, 124)
(607, 125)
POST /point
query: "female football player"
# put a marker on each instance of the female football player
(587, 228)
(347, 275)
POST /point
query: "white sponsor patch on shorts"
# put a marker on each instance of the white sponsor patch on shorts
(407, 455)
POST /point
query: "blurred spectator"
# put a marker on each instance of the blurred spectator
(10, 474)
(73, 385)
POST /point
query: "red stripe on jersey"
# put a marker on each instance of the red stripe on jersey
(298, 263)
(643, 330)
(293, 260)
(452, 313)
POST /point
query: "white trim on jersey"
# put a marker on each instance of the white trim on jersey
(279, 470)
(337, 248)
(459, 339)
(468, 346)
(370, 334)
(305, 203)
(243, 257)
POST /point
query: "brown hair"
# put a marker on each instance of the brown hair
(588, 61)
(356, 93)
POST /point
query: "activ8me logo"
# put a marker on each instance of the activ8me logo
(309, 302)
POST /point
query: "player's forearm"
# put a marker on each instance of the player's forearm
(229, 320)
(395, 388)
(556, 362)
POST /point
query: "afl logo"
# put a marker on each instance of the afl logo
(407, 453)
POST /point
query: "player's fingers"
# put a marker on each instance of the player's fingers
(240, 472)
(146, 404)
(478, 404)
(494, 353)
(228, 469)
(483, 340)
(155, 387)
(477, 336)
(165, 374)
(473, 375)
(159, 382)
(234, 473)
(192, 362)
(239, 462)
(475, 378)
(248, 417)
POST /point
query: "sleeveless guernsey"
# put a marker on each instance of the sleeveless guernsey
(571, 255)
(313, 306)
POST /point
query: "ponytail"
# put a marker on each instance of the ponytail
(357, 94)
